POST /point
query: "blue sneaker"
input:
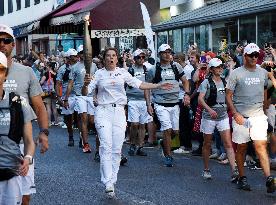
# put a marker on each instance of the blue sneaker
(168, 161)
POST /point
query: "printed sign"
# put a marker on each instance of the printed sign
(117, 33)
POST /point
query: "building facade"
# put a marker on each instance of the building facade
(226, 21)
(20, 14)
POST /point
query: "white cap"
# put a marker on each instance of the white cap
(6, 29)
(138, 52)
(80, 48)
(3, 60)
(163, 48)
(215, 62)
(250, 48)
(71, 52)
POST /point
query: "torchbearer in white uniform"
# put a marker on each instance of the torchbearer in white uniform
(110, 119)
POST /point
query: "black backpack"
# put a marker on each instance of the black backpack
(65, 77)
(212, 99)
(17, 118)
(158, 78)
(131, 71)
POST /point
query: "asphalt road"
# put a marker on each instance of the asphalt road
(64, 175)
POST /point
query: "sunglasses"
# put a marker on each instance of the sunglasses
(255, 54)
(140, 57)
(6, 40)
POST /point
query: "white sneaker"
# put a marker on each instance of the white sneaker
(206, 174)
(214, 156)
(223, 156)
(109, 191)
(64, 126)
(181, 151)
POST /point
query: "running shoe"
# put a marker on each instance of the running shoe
(242, 184)
(224, 162)
(222, 157)
(181, 151)
(123, 160)
(131, 151)
(214, 156)
(109, 191)
(168, 162)
(71, 142)
(140, 152)
(97, 157)
(235, 176)
(86, 148)
(206, 174)
(271, 184)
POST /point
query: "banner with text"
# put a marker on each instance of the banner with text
(117, 33)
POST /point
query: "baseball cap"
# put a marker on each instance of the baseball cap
(71, 52)
(163, 48)
(250, 48)
(215, 62)
(3, 60)
(80, 48)
(6, 29)
(138, 52)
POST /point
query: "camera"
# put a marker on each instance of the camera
(269, 68)
(266, 45)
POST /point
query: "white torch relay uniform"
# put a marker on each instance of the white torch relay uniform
(110, 119)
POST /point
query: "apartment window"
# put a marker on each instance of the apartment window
(36, 2)
(10, 6)
(2, 7)
(27, 3)
(18, 4)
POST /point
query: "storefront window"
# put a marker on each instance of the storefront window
(225, 35)
(10, 6)
(1, 7)
(202, 35)
(177, 40)
(162, 38)
(267, 29)
(27, 3)
(188, 38)
(248, 29)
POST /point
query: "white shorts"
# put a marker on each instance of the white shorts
(28, 185)
(11, 191)
(90, 106)
(168, 116)
(70, 109)
(81, 104)
(271, 113)
(258, 131)
(137, 112)
(208, 126)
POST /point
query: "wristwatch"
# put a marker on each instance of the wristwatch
(29, 158)
(45, 131)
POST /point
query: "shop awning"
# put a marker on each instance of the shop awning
(104, 15)
(217, 11)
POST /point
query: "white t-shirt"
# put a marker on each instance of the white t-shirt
(111, 86)
(188, 69)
